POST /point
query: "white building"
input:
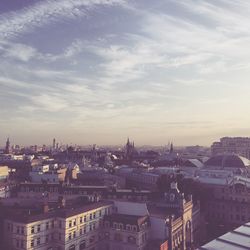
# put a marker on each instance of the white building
(232, 145)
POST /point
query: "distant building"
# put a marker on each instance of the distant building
(47, 173)
(4, 186)
(232, 145)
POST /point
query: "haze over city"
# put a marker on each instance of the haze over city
(97, 71)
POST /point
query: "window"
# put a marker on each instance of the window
(80, 219)
(22, 243)
(22, 230)
(74, 222)
(134, 228)
(106, 235)
(47, 238)
(84, 229)
(70, 236)
(118, 237)
(59, 236)
(94, 214)
(72, 247)
(17, 229)
(70, 223)
(85, 218)
(92, 239)
(132, 239)
(82, 245)
(38, 241)
(90, 216)
(80, 231)
(100, 213)
(74, 234)
(32, 229)
(52, 224)
(38, 228)
(32, 243)
(47, 225)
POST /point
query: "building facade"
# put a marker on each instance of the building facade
(232, 145)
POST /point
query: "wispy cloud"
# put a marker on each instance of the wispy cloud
(44, 12)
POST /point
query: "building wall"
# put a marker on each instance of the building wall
(59, 232)
(4, 172)
(159, 228)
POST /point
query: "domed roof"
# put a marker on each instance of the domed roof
(227, 161)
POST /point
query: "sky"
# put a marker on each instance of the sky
(98, 71)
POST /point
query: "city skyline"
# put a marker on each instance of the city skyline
(97, 71)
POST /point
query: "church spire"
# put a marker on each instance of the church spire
(7, 146)
(171, 148)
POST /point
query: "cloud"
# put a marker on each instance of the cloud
(167, 72)
(44, 12)
(18, 51)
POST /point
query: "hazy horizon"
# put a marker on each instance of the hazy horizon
(97, 71)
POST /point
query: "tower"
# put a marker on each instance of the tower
(54, 143)
(7, 146)
(171, 148)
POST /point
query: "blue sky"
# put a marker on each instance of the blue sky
(97, 71)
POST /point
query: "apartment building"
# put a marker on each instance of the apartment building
(64, 227)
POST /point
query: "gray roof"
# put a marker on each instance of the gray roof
(227, 161)
(235, 240)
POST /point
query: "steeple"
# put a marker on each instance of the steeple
(128, 142)
(7, 146)
(54, 143)
(171, 148)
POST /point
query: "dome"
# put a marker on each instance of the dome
(227, 161)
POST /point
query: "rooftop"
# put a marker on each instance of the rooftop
(29, 214)
(127, 219)
(235, 240)
(227, 161)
